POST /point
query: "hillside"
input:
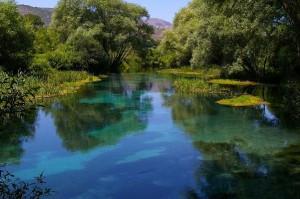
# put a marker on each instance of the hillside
(160, 26)
(45, 13)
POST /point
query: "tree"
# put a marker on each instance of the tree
(16, 40)
(33, 21)
(249, 39)
(113, 29)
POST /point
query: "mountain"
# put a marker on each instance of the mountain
(159, 27)
(45, 13)
(159, 23)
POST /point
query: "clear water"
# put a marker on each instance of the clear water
(132, 136)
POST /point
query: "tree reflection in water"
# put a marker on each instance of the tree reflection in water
(246, 153)
(104, 117)
(13, 134)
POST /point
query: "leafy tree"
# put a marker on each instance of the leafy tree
(103, 32)
(250, 39)
(16, 39)
(34, 21)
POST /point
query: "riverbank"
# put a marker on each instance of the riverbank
(62, 83)
(208, 82)
(212, 73)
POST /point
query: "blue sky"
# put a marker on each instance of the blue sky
(164, 9)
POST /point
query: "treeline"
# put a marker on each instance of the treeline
(257, 40)
(94, 35)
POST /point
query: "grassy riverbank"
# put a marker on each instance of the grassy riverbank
(208, 83)
(61, 83)
(212, 73)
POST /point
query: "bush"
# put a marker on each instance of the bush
(64, 58)
(40, 66)
(15, 95)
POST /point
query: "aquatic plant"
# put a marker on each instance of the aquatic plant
(243, 100)
(233, 82)
(198, 86)
(210, 73)
(60, 83)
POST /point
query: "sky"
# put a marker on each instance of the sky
(164, 9)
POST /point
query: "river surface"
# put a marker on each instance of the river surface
(131, 136)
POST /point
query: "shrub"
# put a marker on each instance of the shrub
(15, 95)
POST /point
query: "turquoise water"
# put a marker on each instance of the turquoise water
(132, 136)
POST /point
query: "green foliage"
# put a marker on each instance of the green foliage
(33, 21)
(15, 95)
(12, 188)
(16, 39)
(59, 83)
(101, 33)
(250, 39)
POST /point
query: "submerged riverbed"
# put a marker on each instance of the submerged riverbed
(132, 136)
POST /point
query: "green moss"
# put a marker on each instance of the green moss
(188, 72)
(233, 82)
(244, 100)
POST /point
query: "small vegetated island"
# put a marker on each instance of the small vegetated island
(214, 48)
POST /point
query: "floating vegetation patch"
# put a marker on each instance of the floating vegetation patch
(188, 72)
(233, 82)
(241, 101)
(198, 86)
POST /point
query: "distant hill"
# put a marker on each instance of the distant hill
(45, 13)
(159, 23)
(160, 26)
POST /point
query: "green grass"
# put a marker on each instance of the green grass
(211, 73)
(60, 83)
(233, 82)
(242, 101)
(198, 86)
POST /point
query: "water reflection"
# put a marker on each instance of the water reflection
(131, 136)
(252, 129)
(224, 174)
(13, 134)
(104, 117)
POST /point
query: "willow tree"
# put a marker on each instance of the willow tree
(113, 29)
